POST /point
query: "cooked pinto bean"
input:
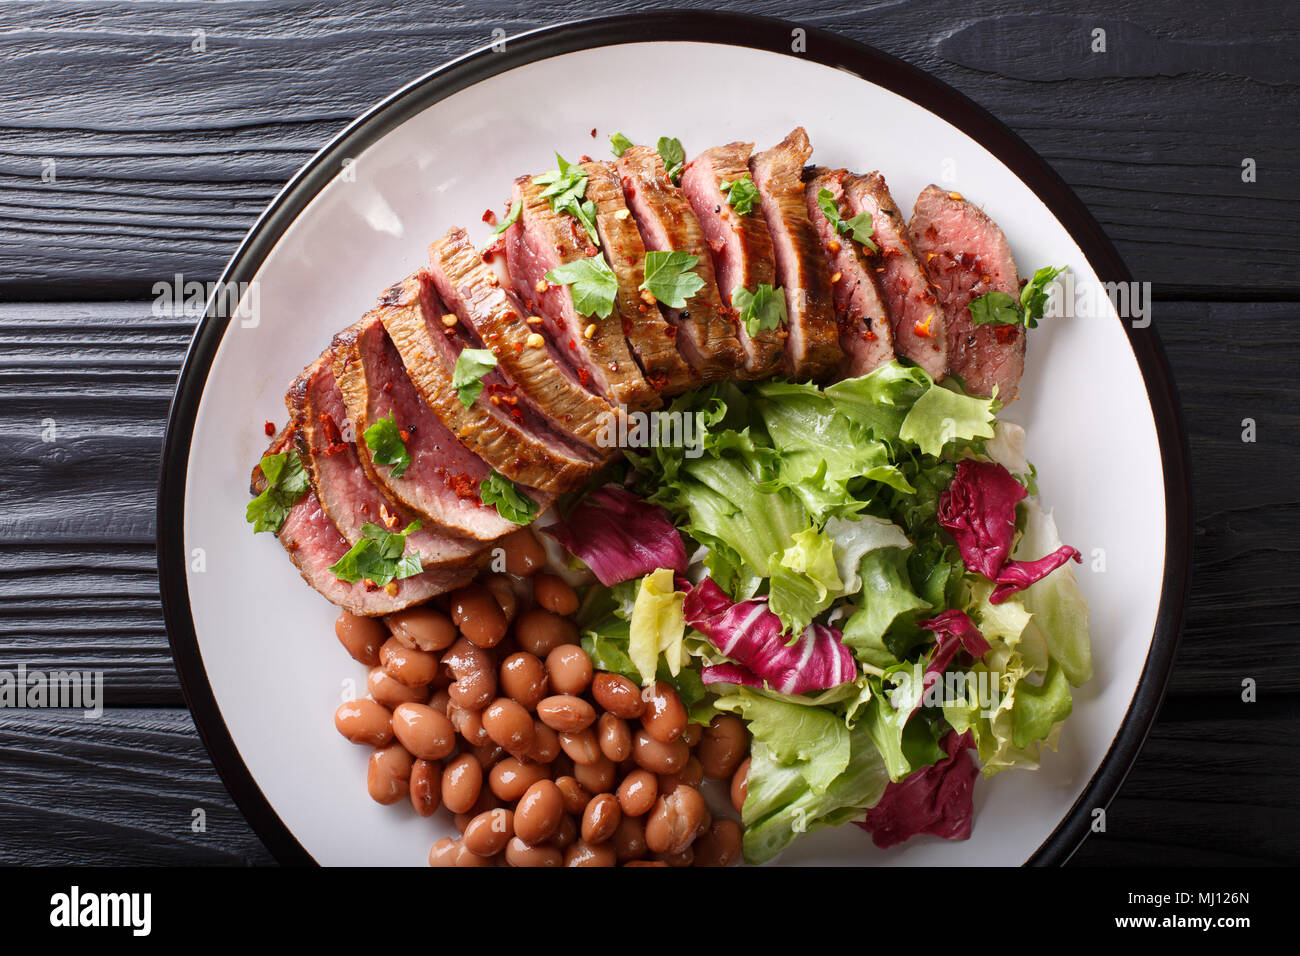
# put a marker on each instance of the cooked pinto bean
(423, 628)
(503, 593)
(462, 781)
(628, 840)
(423, 731)
(657, 757)
(665, 717)
(723, 746)
(524, 679)
(692, 775)
(524, 554)
(581, 747)
(637, 792)
(569, 668)
(426, 786)
(675, 821)
(511, 777)
(363, 721)
(575, 795)
(361, 637)
(582, 853)
(389, 774)
(598, 777)
(520, 853)
(740, 786)
(614, 736)
(469, 724)
(565, 833)
(407, 665)
(539, 632)
(480, 619)
(618, 695)
(509, 724)
(476, 676)
(444, 852)
(488, 833)
(566, 713)
(538, 813)
(553, 593)
(546, 744)
(721, 845)
(601, 818)
(389, 692)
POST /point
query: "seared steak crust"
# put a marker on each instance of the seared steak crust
(966, 255)
(537, 242)
(648, 335)
(706, 329)
(914, 311)
(442, 480)
(812, 348)
(498, 320)
(504, 433)
(740, 245)
(865, 334)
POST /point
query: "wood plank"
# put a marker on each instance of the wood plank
(94, 603)
(166, 167)
(118, 790)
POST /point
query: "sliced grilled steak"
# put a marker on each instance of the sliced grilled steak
(706, 329)
(914, 312)
(741, 245)
(648, 335)
(865, 335)
(315, 545)
(497, 319)
(812, 347)
(536, 243)
(442, 480)
(499, 427)
(326, 442)
(966, 256)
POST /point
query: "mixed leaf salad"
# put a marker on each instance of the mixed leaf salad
(863, 573)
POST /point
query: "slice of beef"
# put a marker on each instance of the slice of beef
(499, 427)
(327, 444)
(741, 245)
(537, 242)
(441, 481)
(315, 545)
(706, 328)
(914, 312)
(498, 320)
(812, 348)
(648, 334)
(865, 334)
(967, 256)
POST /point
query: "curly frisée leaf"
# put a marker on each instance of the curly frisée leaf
(286, 482)
(941, 416)
(511, 503)
(657, 626)
(670, 278)
(591, 282)
(384, 439)
(377, 556)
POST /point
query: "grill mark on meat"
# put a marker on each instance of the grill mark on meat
(537, 242)
(441, 482)
(966, 255)
(706, 329)
(501, 434)
(865, 333)
(345, 491)
(648, 334)
(812, 348)
(741, 246)
(497, 319)
(908, 295)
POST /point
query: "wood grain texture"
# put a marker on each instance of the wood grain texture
(163, 155)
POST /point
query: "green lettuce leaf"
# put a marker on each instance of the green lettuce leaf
(811, 738)
(1059, 609)
(942, 416)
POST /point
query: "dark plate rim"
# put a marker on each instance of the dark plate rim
(738, 29)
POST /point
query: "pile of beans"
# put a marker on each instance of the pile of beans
(484, 703)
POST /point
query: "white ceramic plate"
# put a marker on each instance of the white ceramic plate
(255, 645)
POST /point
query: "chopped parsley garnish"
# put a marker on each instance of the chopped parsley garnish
(377, 557)
(859, 228)
(515, 208)
(384, 439)
(998, 308)
(565, 188)
(591, 282)
(467, 377)
(619, 144)
(742, 194)
(669, 277)
(761, 309)
(286, 482)
(674, 157)
(511, 503)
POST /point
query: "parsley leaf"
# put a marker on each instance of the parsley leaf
(619, 144)
(742, 194)
(674, 157)
(566, 188)
(384, 439)
(761, 309)
(1001, 309)
(669, 277)
(860, 227)
(511, 503)
(286, 482)
(515, 208)
(591, 282)
(1033, 297)
(466, 377)
(378, 557)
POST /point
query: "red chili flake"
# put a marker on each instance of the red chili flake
(406, 436)
(388, 386)
(269, 428)
(519, 347)
(584, 377)
(516, 414)
(670, 331)
(573, 344)
(593, 132)
(490, 217)
(333, 437)
(1005, 333)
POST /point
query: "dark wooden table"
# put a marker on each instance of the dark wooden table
(134, 147)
